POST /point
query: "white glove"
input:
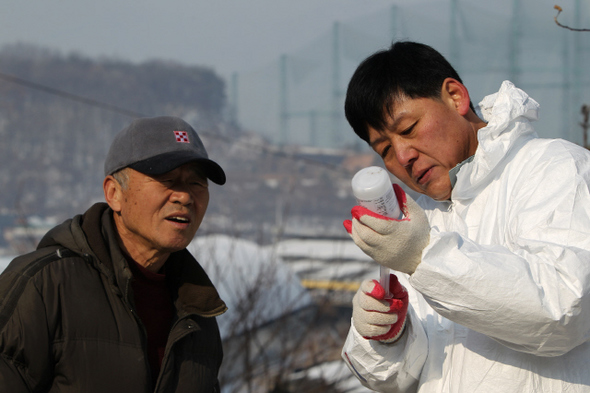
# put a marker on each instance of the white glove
(376, 318)
(397, 244)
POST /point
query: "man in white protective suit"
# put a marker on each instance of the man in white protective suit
(493, 260)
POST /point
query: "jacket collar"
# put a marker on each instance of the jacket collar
(195, 294)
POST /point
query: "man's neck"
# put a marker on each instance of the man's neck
(150, 261)
(149, 258)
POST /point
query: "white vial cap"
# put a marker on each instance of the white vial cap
(371, 183)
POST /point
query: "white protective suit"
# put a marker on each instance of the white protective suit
(500, 301)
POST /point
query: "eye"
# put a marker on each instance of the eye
(385, 151)
(408, 130)
(199, 183)
(163, 180)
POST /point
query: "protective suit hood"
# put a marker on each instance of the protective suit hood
(509, 114)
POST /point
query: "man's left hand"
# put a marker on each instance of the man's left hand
(377, 318)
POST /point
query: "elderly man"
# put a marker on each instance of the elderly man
(111, 300)
(495, 256)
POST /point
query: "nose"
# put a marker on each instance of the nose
(405, 153)
(181, 194)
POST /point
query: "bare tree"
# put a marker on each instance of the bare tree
(559, 9)
(275, 329)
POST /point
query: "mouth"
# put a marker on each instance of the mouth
(179, 219)
(422, 176)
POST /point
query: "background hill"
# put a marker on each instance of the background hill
(59, 113)
(52, 144)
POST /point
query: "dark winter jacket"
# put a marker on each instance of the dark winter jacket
(68, 325)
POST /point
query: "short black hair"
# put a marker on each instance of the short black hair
(406, 70)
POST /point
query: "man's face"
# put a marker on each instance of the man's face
(424, 139)
(161, 214)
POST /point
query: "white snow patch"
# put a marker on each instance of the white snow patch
(336, 372)
(321, 249)
(4, 261)
(253, 281)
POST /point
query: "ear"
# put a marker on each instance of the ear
(112, 193)
(456, 94)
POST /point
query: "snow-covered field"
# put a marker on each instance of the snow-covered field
(236, 266)
(307, 258)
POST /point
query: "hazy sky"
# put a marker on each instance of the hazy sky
(229, 35)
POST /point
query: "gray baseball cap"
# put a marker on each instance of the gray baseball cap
(156, 145)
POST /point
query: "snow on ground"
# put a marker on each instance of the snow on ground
(237, 266)
(321, 249)
(343, 271)
(337, 260)
(4, 261)
(256, 285)
(336, 372)
(269, 277)
(307, 258)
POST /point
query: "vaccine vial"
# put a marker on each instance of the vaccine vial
(373, 190)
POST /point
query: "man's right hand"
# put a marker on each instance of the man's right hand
(377, 318)
(394, 243)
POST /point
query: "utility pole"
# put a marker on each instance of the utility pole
(336, 104)
(393, 17)
(284, 105)
(578, 67)
(566, 90)
(233, 116)
(514, 48)
(454, 36)
(585, 124)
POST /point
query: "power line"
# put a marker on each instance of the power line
(70, 96)
(134, 114)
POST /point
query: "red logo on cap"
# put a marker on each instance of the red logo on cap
(181, 136)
